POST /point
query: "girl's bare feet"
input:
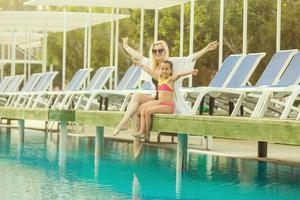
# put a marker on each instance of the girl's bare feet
(147, 138)
(138, 135)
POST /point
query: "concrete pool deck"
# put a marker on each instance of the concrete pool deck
(279, 153)
(222, 147)
(226, 147)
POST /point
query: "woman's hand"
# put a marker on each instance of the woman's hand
(132, 52)
(195, 72)
(212, 46)
(125, 41)
(137, 63)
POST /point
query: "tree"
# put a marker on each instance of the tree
(261, 33)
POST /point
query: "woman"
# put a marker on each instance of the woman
(159, 51)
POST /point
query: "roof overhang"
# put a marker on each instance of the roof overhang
(51, 21)
(146, 4)
(20, 37)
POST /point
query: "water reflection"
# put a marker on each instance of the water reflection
(20, 146)
(209, 165)
(63, 138)
(261, 177)
(136, 188)
(75, 162)
(5, 139)
(178, 183)
(51, 146)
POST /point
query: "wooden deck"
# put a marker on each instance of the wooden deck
(265, 129)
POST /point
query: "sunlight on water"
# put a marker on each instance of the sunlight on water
(44, 169)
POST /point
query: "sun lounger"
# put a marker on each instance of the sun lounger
(28, 87)
(4, 83)
(99, 81)
(45, 99)
(280, 98)
(43, 85)
(239, 78)
(127, 85)
(271, 75)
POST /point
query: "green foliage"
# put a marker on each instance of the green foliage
(261, 33)
(11, 5)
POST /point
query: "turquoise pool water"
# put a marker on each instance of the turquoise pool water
(40, 170)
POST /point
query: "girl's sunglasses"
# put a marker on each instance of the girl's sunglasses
(159, 51)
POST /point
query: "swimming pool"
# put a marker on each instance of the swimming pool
(40, 170)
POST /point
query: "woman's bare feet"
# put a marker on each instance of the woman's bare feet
(120, 127)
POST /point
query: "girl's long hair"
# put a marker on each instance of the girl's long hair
(154, 62)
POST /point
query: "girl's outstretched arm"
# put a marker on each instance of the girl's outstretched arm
(177, 76)
(132, 52)
(210, 47)
(147, 69)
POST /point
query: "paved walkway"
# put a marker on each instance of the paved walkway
(226, 147)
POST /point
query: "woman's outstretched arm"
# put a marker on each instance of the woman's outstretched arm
(132, 52)
(210, 47)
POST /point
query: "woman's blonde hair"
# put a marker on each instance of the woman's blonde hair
(154, 63)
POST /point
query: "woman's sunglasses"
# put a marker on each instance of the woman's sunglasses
(159, 51)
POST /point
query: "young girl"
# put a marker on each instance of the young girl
(165, 103)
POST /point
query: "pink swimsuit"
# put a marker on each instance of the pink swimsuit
(163, 86)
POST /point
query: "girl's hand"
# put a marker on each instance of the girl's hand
(212, 46)
(145, 68)
(195, 72)
(125, 41)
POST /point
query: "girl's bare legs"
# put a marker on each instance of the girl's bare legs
(136, 118)
(163, 109)
(142, 109)
(133, 105)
